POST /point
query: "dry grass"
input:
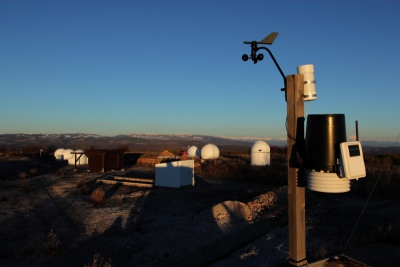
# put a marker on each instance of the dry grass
(383, 172)
(98, 196)
(385, 233)
(389, 233)
(237, 167)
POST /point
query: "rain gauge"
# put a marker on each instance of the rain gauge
(332, 161)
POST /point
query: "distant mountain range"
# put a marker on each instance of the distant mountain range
(131, 141)
(149, 141)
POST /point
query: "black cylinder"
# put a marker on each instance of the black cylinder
(324, 134)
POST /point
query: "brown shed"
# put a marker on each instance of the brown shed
(104, 160)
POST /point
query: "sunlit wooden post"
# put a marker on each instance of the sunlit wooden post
(296, 189)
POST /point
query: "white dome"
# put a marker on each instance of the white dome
(83, 160)
(193, 151)
(260, 146)
(67, 154)
(71, 161)
(260, 154)
(58, 153)
(210, 151)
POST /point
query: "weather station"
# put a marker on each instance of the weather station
(323, 160)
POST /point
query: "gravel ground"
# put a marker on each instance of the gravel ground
(46, 220)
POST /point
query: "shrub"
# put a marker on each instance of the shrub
(80, 183)
(25, 184)
(33, 171)
(84, 190)
(23, 175)
(120, 199)
(25, 181)
(98, 196)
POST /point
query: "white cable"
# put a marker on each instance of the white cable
(308, 105)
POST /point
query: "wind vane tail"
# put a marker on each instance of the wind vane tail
(269, 39)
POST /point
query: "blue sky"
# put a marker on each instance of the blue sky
(118, 67)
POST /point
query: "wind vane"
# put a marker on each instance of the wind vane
(267, 40)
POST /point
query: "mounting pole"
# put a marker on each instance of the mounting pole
(357, 137)
(296, 175)
(294, 91)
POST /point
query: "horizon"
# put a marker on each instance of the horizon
(281, 141)
(161, 67)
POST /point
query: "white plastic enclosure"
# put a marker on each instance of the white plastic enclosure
(351, 160)
(175, 174)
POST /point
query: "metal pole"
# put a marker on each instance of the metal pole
(357, 137)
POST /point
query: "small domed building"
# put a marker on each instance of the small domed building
(260, 154)
(193, 152)
(209, 151)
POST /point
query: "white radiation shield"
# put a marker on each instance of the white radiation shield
(309, 81)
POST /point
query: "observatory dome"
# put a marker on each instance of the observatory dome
(193, 151)
(71, 161)
(210, 151)
(260, 154)
(58, 153)
(260, 146)
(67, 154)
(83, 159)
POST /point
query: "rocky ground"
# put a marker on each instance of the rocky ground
(48, 218)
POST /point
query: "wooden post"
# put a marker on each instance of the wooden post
(295, 152)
